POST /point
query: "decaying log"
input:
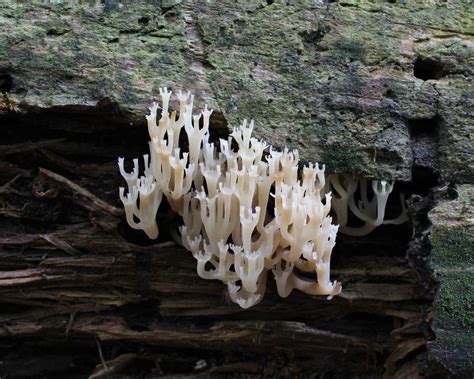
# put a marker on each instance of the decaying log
(377, 89)
(84, 280)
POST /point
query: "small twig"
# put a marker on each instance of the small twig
(89, 170)
(60, 244)
(71, 321)
(94, 203)
(115, 365)
(99, 347)
(60, 161)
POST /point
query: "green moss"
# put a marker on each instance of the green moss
(452, 247)
(453, 305)
(453, 348)
(452, 239)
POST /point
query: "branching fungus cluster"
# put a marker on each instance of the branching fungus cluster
(351, 194)
(245, 211)
(251, 210)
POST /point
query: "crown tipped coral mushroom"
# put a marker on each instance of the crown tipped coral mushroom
(144, 190)
(371, 212)
(223, 197)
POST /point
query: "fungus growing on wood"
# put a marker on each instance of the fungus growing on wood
(371, 211)
(223, 197)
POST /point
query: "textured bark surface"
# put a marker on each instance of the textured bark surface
(376, 90)
(452, 238)
(345, 83)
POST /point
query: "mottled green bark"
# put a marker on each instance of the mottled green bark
(336, 81)
(452, 260)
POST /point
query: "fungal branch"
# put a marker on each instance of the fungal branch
(352, 194)
(223, 197)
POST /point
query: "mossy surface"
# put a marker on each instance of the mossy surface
(454, 302)
(452, 245)
(452, 240)
(453, 348)
(334, 80)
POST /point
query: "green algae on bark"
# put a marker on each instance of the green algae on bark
(452, 260)
(320, 78)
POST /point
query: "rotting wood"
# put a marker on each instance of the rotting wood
(76, 275)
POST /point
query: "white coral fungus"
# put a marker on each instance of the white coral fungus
(370, 211)
(233, 230)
